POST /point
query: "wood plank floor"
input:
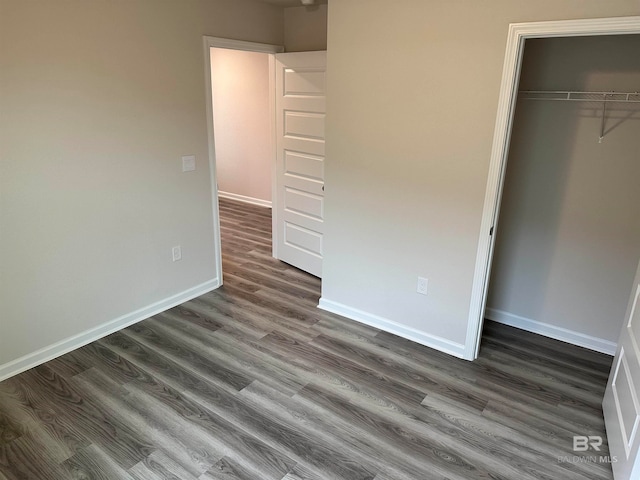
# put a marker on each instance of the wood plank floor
(253, 382)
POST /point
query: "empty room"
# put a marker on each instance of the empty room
(319, 239)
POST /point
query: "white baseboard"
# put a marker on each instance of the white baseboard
(552, 331)
(65, 346)
(244, 199)
(441, 344)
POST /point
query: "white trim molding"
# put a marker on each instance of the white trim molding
(219, 42)
(552, 331)
(518, 33)
(274, 156)
(244, 199)
(65, 346)
(441, 344)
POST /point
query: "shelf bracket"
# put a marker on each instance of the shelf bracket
(604, 112)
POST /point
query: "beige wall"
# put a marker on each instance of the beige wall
(568, 240)
(242, 124)
(305, 28)
(98, 101)
(413, 88)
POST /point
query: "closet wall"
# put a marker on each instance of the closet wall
(568, 239)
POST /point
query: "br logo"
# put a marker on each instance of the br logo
(583, 443)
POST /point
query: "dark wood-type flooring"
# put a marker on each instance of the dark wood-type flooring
(252, 381)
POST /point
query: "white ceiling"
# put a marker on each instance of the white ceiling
(289, 3)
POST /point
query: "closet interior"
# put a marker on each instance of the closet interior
(568, 233)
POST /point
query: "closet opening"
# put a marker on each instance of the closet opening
(567, 237)
(510, 98)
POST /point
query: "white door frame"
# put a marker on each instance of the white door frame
(518, 33)
(217, 42)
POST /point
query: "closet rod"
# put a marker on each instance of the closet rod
(574, 96)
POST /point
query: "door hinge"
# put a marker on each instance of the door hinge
(491, 231)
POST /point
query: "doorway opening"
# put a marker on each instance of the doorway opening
(242, 124)
(265, 114)
(220, 45)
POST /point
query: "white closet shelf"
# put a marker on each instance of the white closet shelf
(574, 96)
(605, 98)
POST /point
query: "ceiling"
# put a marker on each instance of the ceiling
(289, 3)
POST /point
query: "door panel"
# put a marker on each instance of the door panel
(304, 82)
(300, 130)
(303, 238)
(625, 400)
(304, 125)
(307, 166)
(304, 203)
(621, 404)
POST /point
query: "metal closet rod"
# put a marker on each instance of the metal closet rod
(573, 96)
(577, 96)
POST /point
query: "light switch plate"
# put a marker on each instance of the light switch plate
(188, 163)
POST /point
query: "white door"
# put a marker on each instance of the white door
(300, 122)
(621, 404)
